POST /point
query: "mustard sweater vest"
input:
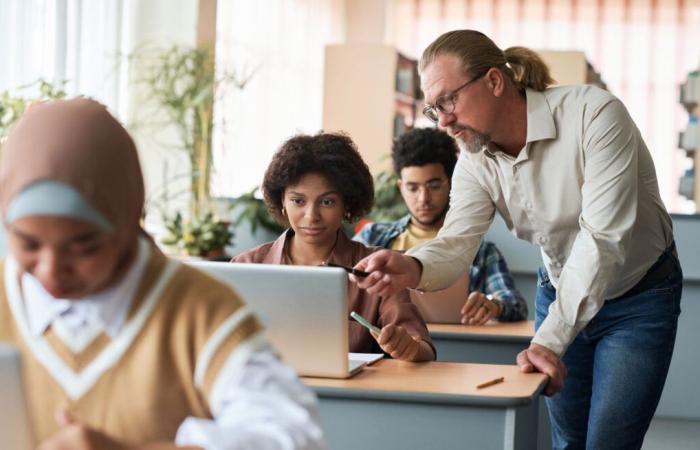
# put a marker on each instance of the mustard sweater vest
(141, 385)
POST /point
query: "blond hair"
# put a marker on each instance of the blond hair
(478, 54)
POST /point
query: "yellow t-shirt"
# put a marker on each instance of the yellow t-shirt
(411, 237)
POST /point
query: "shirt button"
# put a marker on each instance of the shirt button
(528, 205)
(542, 239)
(557, 264)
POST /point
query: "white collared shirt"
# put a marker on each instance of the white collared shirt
(78, 322)
(583, 189)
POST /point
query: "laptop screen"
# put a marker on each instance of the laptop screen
(303, 308)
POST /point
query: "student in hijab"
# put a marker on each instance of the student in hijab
(121, 347)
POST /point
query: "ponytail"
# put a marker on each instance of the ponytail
(528, 68)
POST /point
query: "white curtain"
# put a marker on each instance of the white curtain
(77, 41)
(644, 49)
(277, 45)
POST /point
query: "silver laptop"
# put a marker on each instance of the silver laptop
(304, 310)
(15, 432)
(443, 306)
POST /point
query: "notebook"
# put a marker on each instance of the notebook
(304, 310)
(443, 306)
(15, 432)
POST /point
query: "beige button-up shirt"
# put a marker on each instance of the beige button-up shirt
(583, 189)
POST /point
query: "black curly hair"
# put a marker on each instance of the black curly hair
(422, 146)
(331, 155)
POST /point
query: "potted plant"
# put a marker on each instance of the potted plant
(388, 203)
(252, 209)
(181, 83)
(204, 236)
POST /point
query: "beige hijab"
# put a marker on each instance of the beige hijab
(79, 143)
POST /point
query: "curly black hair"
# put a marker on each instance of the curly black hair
(333, 156)
(422, 146)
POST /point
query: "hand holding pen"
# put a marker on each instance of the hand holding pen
(389, 272)
(353, 271)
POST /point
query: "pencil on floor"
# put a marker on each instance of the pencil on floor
(490, 383)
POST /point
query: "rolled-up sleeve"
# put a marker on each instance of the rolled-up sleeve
(256, 403)
(608, 213)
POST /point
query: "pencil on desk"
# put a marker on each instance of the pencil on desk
(490, 383)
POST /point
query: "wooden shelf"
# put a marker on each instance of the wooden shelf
(371, 92)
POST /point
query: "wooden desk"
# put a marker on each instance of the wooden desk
(493, 343)
(395, 404)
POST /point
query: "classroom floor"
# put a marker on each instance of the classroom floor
(673, 434)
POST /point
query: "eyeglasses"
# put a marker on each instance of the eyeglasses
(446, 103)
(433, 186)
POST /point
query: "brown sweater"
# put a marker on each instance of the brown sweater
(397, 309)
(140, 386)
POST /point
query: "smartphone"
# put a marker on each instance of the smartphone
(365, 323)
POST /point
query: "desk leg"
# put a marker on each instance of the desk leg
(521, 428)
(544, 432)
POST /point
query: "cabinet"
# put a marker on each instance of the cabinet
(372, 93)
(689, 138)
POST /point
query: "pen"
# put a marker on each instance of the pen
(490, 383)
(356, 272)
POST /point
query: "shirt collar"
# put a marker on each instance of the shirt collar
(110, 307)
(341, 253)
(540, 123)
(276, 254)
(403, 222)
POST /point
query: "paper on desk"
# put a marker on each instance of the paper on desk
(368, 358)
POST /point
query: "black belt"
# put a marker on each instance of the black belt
(662, 268)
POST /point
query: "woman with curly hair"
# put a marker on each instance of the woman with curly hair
(312, 184)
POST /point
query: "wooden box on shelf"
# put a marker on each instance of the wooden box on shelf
(372, 93)
(571, 67)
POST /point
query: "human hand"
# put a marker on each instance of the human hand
(73, 435)
(390, 273)
(541, 359)
(479, 309)
(396, 341)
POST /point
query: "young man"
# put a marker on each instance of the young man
(424, 160)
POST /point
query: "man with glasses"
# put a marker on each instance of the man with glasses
(568, 170)
(424, 160)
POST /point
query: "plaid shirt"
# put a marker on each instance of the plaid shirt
(488, 273)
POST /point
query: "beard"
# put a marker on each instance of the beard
(433, 221)
(477, 142)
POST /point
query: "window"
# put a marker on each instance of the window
(278, 45)
(643, 49)
(76, 41)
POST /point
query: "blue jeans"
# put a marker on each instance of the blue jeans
(617, 366)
